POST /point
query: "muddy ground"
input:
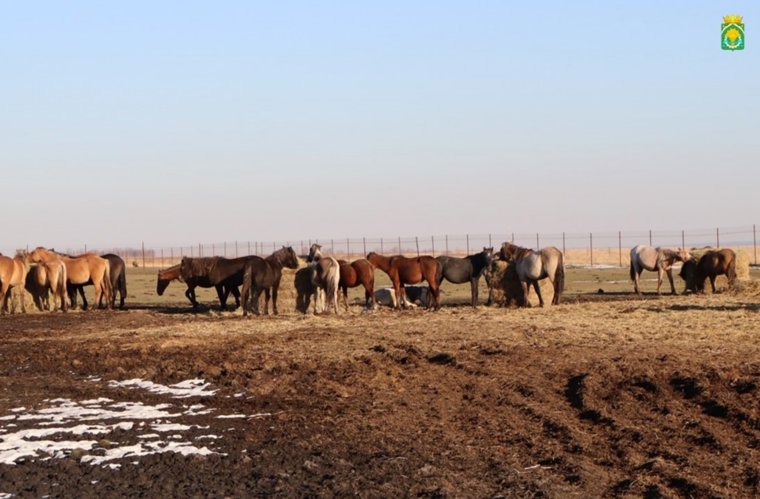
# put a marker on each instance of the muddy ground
(653, 397)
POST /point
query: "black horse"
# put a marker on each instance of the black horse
(118, 274)
(225, 274)
(264, 274)
(467, 269)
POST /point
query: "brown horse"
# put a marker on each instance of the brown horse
(80, 270)
(715, 263)
(264, 275)
(357, 272)
(48, 277)
(12, 276)
(403, 270)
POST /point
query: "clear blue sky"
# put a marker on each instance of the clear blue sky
(179, 122)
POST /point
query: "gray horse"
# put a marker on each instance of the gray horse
(655, 259)
(467, 269)
(326, 277)
(532, 266)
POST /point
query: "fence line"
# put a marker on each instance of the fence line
(590, 248)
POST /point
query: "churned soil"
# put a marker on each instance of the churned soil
(626, 397)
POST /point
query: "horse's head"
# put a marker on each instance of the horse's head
(683, 255)
(315, 252)
(37, 255)
(161, 285)
(291, 259)
(508, 251)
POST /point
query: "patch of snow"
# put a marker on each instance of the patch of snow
(184, 389)
(230, 416)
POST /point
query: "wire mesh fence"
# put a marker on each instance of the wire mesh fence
(586, 249)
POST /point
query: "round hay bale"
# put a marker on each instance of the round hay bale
(505, 287)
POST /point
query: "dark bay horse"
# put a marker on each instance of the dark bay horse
(403, 270)
(118, 283)
(532, 266)
(305, 287)
(467, 269)
(264, 274)
(355, 273)
(715, 263)
(166, 276)
(225, 274)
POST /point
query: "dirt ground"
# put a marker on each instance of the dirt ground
(605, 395)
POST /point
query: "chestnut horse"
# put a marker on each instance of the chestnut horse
(12, 276)
(403, 270)
(357, 272)
(80, 270)
(48, 276)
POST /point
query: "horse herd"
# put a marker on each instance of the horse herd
(43, 272)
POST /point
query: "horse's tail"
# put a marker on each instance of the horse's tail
(632, 272)
(63, 293)
(122, 281)
(107, 285)
(732, 270)
(559, 275)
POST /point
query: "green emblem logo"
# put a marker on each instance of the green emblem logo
(732, 33)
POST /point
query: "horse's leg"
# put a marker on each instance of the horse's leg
(525, 289)
(266, 301)
(190, 293)
(672, 284)
(712, 283)
(474, 291)
(84, 298)
(256, 295)
(344, 290)
(659, 279)
(537, 287)
(221, 292)
(275, 290)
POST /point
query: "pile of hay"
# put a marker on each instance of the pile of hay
(505, 289)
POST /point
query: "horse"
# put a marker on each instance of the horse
(118, 282)
(326, 277)
(166, 276)
(304, 284)
(467, 269)
(13, 276)
(715, 263)
(264, 274)
(37, 285)
(357, 272)
(403, 270)
(80, 270)
(532, 266)
(226, 274)
(655, 259)
(45, 277)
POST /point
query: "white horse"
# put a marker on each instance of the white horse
(655, 259)
(325, 278)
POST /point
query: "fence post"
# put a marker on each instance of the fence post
(513, 238)
(591, 246)
(563, 244)
(399, 246)
(490, 244)
(620, 247)
(171, 256)
(364, 246)
(447, 244)
(162, 258)
(200, 250)
(650, 237)
(381, 246)
(348, 249)
(683, 240)
(417, 244)
(537, 243)
(225, 249)
(432, 244)
(754, 241)
(468, 243)
(236, 249)
(717, 237)
(143, 253)
(191, 252)
(213, 249)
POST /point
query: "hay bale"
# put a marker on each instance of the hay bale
(505, 288)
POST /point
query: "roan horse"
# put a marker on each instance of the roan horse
(13, 276)
(80, 270)
(326, 278)
(711, 264)
(166, 276)
(264, 274)
(532, 266)
(118, 283)
(357, 272)
(403, 270)
(467, 269)
(655, 259)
